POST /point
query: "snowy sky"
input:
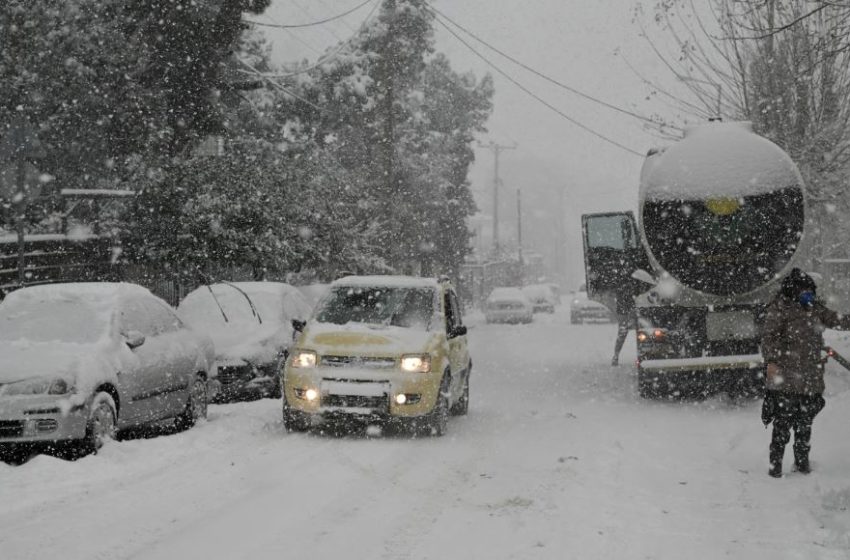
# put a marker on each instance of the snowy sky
(578, 42)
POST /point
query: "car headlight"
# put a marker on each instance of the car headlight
(304, 359)
(417, 363)
(41, 386)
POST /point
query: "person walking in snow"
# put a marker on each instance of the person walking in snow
(626, 317)
(792, 348)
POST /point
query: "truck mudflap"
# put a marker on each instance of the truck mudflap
(747, 361)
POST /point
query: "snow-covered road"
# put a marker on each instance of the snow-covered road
(557, 459)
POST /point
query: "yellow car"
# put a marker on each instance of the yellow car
(378, 349)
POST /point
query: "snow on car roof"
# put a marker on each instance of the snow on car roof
(102, 291)
(718, 160)
(257, 287)
(387, 281)
(507, 293)
(62, 330)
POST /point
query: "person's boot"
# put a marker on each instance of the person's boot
(801, 459)
(615, 361)
(776, 462)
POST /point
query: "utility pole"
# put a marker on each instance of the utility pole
(496, 149)
(519, 223)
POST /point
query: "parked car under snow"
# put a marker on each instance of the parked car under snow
(250, 324)
(81, 361)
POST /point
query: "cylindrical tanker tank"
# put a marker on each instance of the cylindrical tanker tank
(722, 211)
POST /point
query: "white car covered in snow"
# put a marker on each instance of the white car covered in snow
(508, 305)
(250, 324)
(541, 296)
(81, 361)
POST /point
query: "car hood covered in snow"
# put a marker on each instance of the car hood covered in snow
(258, 344)
(365, 340)
(82, 366)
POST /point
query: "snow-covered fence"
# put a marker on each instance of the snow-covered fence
(51, 258)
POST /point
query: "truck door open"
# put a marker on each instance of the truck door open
(612, 252)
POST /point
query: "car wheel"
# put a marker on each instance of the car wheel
(101, 424)
(12, 454)
(461, 407)
(575, 319)
(196, 404)
(294, 421)
(650, 386)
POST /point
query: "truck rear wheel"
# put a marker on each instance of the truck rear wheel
(645, 385)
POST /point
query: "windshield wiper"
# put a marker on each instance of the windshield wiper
(251, 303)
(220, 308)
(238, 289)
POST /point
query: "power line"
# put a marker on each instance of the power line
(292, 34)
(277, 86)
(312, 23)
(541, 74)
(324, 59)
(345, 23)
(310, 15)
(534, 95)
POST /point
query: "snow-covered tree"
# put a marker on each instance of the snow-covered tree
(113, 86)
(401, 120)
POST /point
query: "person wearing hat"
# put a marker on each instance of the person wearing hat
(792, 348)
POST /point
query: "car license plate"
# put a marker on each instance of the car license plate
(349, 388)
(730, 325)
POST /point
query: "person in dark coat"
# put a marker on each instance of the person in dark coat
(626, 317)
(792, 347)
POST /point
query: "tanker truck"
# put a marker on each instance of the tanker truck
(721, 219)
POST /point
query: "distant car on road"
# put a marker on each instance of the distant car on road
(541, 296)
(583, 309)
(508, 305)
(82, 361)
(250, 324)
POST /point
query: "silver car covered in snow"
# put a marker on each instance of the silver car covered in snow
(250, 324)
(81, 361)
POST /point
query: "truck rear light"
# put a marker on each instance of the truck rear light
(654, 335)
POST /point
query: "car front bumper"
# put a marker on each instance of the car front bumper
(350, 392)
(40, 418)
(238, 378)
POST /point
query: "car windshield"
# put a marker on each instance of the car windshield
(52, 320)
(403, 307)
(201, 307)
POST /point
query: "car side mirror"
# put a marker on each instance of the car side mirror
(298, 325)
(460, 330)
(134, 339)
